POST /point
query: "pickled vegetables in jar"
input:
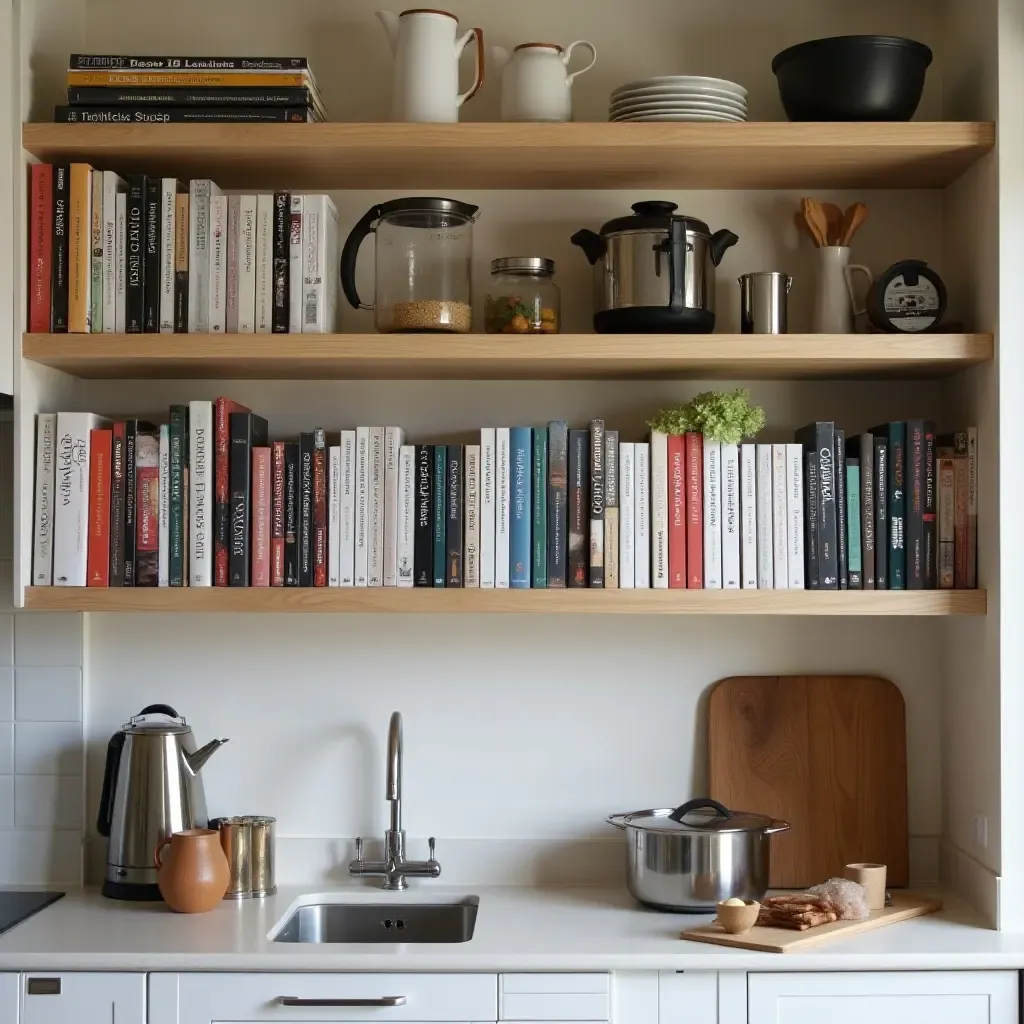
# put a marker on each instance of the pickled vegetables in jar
(522, 297)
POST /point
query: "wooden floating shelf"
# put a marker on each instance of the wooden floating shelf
(500, 357)
(510, 602)
(590, 155)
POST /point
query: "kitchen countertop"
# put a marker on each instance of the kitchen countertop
(517, 929)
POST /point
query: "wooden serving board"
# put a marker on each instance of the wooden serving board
(782, 940)
(827, 754)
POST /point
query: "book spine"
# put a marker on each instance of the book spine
(232, 240)
(454, 511)
(972, 508)
(218, 292)
(291, 514)
(880, 479)
(59, 250)
(394, 438)
(282, 259)
(319, 279)
(961, 488)
(163, 565)
(362, 506)
(488, 505)
(502, 506)
(241, 496)
(261, 500)
(306, 497)
(677, 493)
(200, 492)
(334, 516)
(780, 518)
(406, 514)
(439, 515)
(277, 515)
(765, 532)
(853, 505)
(558, 503)
(839, 477)
(521, 442)
(595, 506)
(96, 251)
(120, 263)
(347, 557)
(611, 509)
(730, 517)
(177, 541)
(748, 516)
(98, 565)
(295, 265)
(712, 515)
(151, 243)
(795, 515)
(192, 79)
(423, 538)
(659, 510)
(915, 501)
(642, 516)
(866, 453)
(40, 248)
(199, 254)
(181, 258)
(931, 554)
(80, 249)
(144, 64)
(897, 507)
(811, 573)
(539, 519)
(694, 449)
(946, 473)
(319, 544)
(71, 518)
(828, 522)
(627, 510)
(222, 410)
(117, 493)
(169, 188)
(578, 488)
(375, 567)
(135, 255)
(141, 107)
(264, 265)
(247, 210)
(42, 548)
(131, 508)
(472, 521)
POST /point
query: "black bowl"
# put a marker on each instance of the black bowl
(852, 78)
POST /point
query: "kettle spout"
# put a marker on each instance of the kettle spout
(720, 241)
(500, 56)
(591, 243)
(390, 22)
(199, 757)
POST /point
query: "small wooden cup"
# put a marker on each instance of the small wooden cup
(872, 877)
(736, 920)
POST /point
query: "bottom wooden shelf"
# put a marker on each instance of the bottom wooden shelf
(510, 602)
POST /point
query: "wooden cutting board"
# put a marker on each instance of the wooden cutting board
(828, 754)
(782, 940)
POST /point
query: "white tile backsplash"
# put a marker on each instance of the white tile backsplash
(41, 857)
(51, 639)
(48, 748)
(47, 801)
(6, 639)
(48, 694)
(6, 694)
(6, 801)
(6, 748)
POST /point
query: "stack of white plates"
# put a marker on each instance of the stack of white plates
(679, 98)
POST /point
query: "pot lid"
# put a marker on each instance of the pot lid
(427, 212)
(697, 817)
(654, 215)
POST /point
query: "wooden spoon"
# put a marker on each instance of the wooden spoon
(834, 217)
(852, 220)
(816, 222)
(803, 227)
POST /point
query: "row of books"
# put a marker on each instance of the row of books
(121, 89)
(209, 500)
(155, 255)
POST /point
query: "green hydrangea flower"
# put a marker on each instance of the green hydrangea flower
(718, 415)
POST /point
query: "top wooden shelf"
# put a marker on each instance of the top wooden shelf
(591, 155)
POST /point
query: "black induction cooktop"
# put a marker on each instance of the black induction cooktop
(17, 905)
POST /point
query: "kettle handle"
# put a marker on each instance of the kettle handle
(159, 709)
(349, 254)
(106, 812)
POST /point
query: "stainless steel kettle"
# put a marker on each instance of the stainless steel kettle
(151, 789)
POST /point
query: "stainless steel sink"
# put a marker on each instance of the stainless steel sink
(381, 922)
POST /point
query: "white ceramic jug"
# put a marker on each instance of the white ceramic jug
(834, 301)
(536, 84)
(427, 51)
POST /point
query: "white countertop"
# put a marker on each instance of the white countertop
(517, 929)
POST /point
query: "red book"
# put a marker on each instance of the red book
(40, 249)
(222, 410)
(676, 511)
(319, 509)
(694, 444)
(261, 491)
(277, 515)
(98, 564)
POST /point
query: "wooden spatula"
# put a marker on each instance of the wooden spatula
(817, 225)
(852, 220)
(834, 218)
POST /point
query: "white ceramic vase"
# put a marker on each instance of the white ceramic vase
(835, 304)
(536, 84)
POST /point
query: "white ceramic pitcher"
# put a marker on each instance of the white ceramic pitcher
(834, 301)
(537, 84)
(427, 49)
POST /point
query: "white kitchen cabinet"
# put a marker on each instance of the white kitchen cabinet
(907, 997)
(49, 997)
(9, 998)
(554, 997)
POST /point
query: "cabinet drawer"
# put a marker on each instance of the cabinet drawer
(555, 997)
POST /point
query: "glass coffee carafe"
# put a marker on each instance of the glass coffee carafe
(423, 264)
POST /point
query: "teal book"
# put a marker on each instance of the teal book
(519, 549)
(854, 556)
(440, 517)
(896, 433)
(540, 509)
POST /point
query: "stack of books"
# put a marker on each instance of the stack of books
(114, 89)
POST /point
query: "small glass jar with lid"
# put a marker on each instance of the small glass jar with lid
(522, 297)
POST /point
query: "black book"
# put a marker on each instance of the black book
(154, 114)
(896, 495)
(880, 478)
(151, 272)
(931, 541)
(282, 243)
(423, 535)
(812, 580)
(117, 490)
(132, 429)
(842, 526)
(305, 534)
(59, 257)
(579, 522)
(595, 504)
(820, 438)
(454, 510)
(135, 255)
(558, 501)
(246, 431)
(915, 499)
(291, 514)
(125, 62)
(861, 450)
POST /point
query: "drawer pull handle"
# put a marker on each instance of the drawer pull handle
(381, 1001)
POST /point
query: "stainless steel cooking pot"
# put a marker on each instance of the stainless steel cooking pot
(690, 858)
(654, 271)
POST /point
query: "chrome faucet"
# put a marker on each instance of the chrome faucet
(394, 868)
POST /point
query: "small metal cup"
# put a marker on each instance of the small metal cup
(763, 302)
(262, 859)
(236, 842)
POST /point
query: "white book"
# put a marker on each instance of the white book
(730, 517)
(471, 489)
(96, 267)
(71, 511)
(295, 266)
(200, 494)
(347, 563)
(234, 238)
(200, 192)
(394, 438)
(780, 518)
(264, 264)
(712, 515)
(120, 263)
(334, 516)
(320, 262)
(488, 505)
(503, 506)
(362, 508)
(112, 187)
(642, 516)
(748, 516)
(375, 515)
(765, 543)
(168, 201)
(247, 265)
(659, 510)
(218, 295)
(406, 514)
(164, 531)
(795, 511)
(46, 451)
(627, 514)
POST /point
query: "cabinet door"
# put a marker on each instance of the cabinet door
(910, 997)
(11, 237)
(9, 998)
(48, 997)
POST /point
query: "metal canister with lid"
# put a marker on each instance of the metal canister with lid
(522, 297)
(262, 846)
(236, 842)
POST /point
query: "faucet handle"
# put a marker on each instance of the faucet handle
(359, 849)
(430, 843)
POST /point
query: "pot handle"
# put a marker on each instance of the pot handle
(675, 248)
(618, 820)
(349, 253)
(777, 825)
(702, 801)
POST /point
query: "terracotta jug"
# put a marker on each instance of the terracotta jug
(192, 871)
